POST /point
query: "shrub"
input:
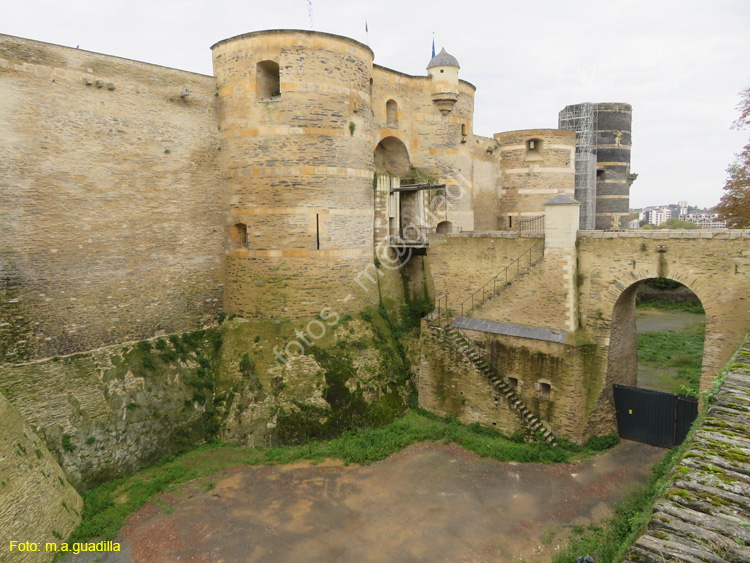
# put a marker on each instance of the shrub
(169, 355)
(148, 362)
(599, 443)
(247, 366)
(67, 445)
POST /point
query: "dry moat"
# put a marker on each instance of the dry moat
(427, 503)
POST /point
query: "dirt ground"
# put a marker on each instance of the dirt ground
(427, 503)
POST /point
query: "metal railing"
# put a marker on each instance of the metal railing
(531, 225)
(533, 254)
(506, 276)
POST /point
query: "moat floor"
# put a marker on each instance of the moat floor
(427, 503)
(664, 378)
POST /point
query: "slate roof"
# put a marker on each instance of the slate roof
(510, 329)
(561, 199)
(443, 59)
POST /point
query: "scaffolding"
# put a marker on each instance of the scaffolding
(581, 118)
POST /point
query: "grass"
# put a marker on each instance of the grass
(683, 306)
(680, 350)
(608, 543)
(107, 506)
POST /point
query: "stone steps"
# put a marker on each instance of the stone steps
(491, 295)
(433, 318)
(468, 349)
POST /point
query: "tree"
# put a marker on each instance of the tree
(675, 223)
(734, 206)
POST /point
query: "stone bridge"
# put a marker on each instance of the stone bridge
(584, 288)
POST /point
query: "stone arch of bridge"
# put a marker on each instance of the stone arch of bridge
(714, 266)
(622, 357)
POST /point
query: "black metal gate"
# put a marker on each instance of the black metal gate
(653, 417)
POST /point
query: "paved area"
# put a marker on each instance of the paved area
(427, 503)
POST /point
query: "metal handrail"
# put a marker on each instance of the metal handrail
(441, 301)
(531, 225)
(504, 272)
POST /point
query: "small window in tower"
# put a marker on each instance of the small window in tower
(534, 149)
(238, 234)
(442, 70)
(545, 391)
(600, 174)
(391, 111)
(267, 81)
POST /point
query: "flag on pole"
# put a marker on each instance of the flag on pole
(367, 33)
(310, 12)
(433, 44)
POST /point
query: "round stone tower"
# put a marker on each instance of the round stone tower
(613, 178)
(297, 165)
(536, 166)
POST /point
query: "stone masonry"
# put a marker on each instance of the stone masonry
(704, 513)
(36, 501)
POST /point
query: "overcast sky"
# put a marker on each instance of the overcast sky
(680, 64)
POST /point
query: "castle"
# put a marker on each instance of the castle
(139, 199)
(301, 184)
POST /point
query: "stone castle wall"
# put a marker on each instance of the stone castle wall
(110, 201)
(129, 206)
(450, 386)
(588, 290)
(37, 503)
(439, 144)
(487, 186)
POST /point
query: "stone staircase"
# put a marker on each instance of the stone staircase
(514, 271)
(470, 351)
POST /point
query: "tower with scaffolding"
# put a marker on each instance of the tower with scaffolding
(581, 118)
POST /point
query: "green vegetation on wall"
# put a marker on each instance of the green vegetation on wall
(358, 394)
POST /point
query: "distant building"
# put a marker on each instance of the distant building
(704, 220)
(655, 215)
